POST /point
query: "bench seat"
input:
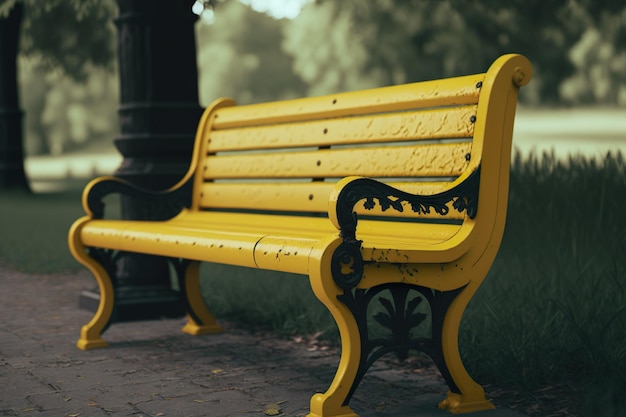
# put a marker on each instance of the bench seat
(281, 243)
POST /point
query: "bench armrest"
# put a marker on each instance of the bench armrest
(351, 190)
(164, 204)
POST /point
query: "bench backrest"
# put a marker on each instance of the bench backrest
(423, 137)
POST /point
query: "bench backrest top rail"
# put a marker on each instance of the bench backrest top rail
(436, 93)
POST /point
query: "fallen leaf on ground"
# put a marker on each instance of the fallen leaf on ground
(273, 409)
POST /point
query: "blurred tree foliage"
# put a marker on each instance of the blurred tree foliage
(240, 56)
(63, 114)
(72, 36)
(70, 93)
(67, 58)
(578, 47)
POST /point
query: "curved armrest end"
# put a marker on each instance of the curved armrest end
(94, 192)
(341, 205)
(172, 201)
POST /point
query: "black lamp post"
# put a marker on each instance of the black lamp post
(158, 112)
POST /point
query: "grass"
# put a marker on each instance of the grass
(34, 230)
(552, 310)
(281, 302)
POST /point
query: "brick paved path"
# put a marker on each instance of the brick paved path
(152, 369)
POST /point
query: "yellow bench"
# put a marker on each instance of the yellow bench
(424, 167)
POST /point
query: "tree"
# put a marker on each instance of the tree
(67, 35)
(599, 57)
(12, 173)
(380, 42)
(61, 34)
(240, 56)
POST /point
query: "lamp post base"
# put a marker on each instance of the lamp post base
(159, 112)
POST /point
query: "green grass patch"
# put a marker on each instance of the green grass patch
(281, 302)
(33, 230)
(552, 309)
(34, 227)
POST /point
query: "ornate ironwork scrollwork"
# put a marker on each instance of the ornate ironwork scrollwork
(399, 315)
(347, 264)
(164, 205)
(464, 197)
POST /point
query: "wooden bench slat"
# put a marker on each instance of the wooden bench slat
(289, 249)
(398, 161)
(173, 240)
(303, 227)
(307, 197)
(250, 240)
(405, 126)
(436, 93)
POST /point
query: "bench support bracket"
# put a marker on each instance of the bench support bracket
(401, 315)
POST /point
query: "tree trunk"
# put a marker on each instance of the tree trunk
(12, 175)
